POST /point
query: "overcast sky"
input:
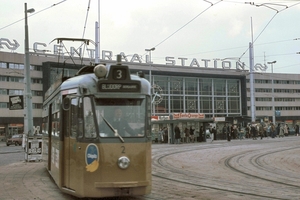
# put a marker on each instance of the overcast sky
(180, 29)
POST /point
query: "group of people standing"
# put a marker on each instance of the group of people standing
(257, 130)
(252, 130)
(189, 135)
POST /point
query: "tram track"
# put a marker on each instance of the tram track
(165, 171)
(255, 161)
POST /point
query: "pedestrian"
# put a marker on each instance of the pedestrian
(261, 131)
(297, 129)
(187, 134)
(228, 132)
(272, 130)
(232, 131)
(281, 131)
(247, 129)
(215, 133)
(201, 134)
(286, 130)
(166, 135)
(277, 129)
(224, 131)
(177, 135)
(253, 131)
(240, 132)
(212, 133)
(192, 134)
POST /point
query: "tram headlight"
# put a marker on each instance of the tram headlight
(100, 71)
(123, 162)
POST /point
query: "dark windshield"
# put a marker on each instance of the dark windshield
(120, 117)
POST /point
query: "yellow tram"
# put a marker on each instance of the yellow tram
(96, 133)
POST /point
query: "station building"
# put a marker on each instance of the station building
(220, 92)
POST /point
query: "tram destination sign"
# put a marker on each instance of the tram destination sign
(119, 87)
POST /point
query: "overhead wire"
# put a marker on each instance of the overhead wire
(33, 14)
(277, 11)
(211, 4)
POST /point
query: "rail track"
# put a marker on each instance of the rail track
(249, 170)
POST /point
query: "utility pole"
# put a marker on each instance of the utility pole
(273, 99)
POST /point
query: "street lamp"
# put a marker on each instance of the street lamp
(150, 71)
(273, 62)
(150, 62)
(273, 101)
(27, 77)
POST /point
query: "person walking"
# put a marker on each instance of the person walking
(177, 135)
(272, 130)
(187, 134)
(253, 131)
(192, 134)
(277, 130)
(261, 131)
(212, 133)
(228, 133)
(297, 129)
(201, 134)
(281, 131)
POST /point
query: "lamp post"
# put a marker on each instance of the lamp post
(273, 101)
(150, 62)
(150, 71)
(27, 78)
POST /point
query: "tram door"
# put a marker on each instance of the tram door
(70, 121)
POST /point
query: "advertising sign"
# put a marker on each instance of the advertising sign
(16, 102)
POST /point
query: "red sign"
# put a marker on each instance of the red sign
(188, 115)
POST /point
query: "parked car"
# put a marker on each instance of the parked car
(15, 139)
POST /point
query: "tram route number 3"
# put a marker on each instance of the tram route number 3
(34, 147)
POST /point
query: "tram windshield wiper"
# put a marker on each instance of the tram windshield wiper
(113, 129)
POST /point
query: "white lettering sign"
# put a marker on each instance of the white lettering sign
(39, 47)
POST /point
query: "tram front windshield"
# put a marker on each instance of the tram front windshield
(121, 117)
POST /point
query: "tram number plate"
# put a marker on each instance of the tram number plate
(35, 150)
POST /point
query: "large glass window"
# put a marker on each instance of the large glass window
(162, 81)
(16, 92)
(233, 87)
(220, 105)
(176, 85)
(126, 116)
(162, 107)
(191, 104)
(3, 91)
(233, 105)
(176, 104)
(205, 86)
(191, 86)
(3, 78)
(16, 79)
(205, 104)
(3, 65)
(219, 87)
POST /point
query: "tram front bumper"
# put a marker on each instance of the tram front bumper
(121, 184)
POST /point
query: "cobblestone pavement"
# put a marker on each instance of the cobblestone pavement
(240, 169)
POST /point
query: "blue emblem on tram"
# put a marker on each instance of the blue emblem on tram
(91, 158)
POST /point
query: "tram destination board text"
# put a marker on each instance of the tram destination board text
(119, 87)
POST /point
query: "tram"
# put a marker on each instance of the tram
(87, 151)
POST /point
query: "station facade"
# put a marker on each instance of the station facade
(219, 93)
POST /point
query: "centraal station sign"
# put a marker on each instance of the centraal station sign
(40, 48)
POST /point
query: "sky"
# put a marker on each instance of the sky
(190, 29)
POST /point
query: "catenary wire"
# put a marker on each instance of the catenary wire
(33, 14)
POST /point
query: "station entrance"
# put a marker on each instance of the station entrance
(163, 129)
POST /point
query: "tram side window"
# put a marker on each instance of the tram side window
(75, 121)
(89, 122)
